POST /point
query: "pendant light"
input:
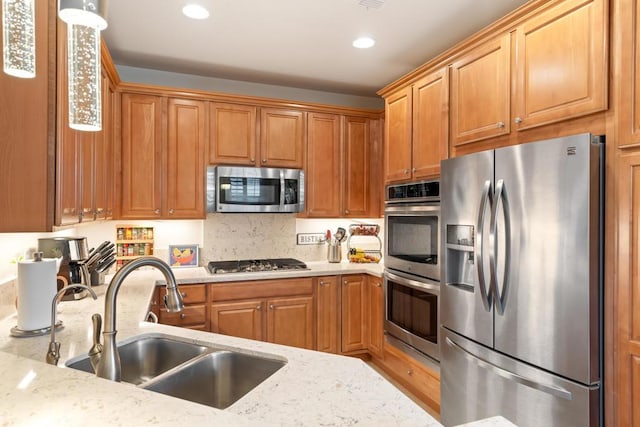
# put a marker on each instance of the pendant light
(84, 20)
(19, 38)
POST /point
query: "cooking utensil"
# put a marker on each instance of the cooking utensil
(106, 264)
(328, 236)
(340, 234)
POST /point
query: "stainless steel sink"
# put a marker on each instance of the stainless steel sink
(148, 357)
(217, 379)
(198, 373)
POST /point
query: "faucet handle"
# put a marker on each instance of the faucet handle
(54, 353)
(96, 348)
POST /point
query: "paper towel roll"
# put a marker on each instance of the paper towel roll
(36, 288)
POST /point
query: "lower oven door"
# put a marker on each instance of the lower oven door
(411, 311)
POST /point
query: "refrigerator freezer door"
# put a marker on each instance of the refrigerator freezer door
(466, 185)
(550, 297)
(479, 383)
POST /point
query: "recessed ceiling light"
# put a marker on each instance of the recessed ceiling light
(195, 11)
(363, 42)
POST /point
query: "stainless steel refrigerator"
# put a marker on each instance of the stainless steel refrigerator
(521, 297)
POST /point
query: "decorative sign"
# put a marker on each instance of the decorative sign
(311, 238)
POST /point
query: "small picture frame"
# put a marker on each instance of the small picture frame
(183, 256)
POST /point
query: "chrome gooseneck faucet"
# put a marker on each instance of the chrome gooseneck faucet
(108, 358)
(54, 347)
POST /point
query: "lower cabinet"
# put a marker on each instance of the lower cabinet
(194, 313)
(375, 311)
(328, 314)
(277, 311)
(354, 313)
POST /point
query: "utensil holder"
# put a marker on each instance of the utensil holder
(334, 252)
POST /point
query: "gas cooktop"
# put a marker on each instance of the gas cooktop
(256, 265)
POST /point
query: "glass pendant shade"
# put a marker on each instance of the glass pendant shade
(19, 38)
(83, 60)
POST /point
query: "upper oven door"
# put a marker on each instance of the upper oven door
(413, 239)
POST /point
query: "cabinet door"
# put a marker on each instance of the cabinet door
(356, 155)
(281, 138)
(323, 165)
(242, 319)
(430, 124)
(376, 316)
(561, 64)
(328, 320)
(103, 175)
(232, 134)
(628, 108)
(480, 95)
(354, 316)
(185, 159)
(397, 136)
(141, 156)
(290, 322)
(87, 146)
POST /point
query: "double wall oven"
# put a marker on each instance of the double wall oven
(412, 269)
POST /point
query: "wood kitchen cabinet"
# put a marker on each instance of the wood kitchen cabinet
(416, 128)
(278, 311)
(328, 314)
(324, 165)
(194, 314)
(232, 134)
(354, 313)
(282, 138)
(158, 180)
(561, 63)
(339, 172)
(375, 306)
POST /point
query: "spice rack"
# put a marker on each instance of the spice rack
(364, 234)
(132, 241)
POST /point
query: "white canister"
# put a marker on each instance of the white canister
(36, 288)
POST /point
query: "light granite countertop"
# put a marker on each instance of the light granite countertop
(313, 388)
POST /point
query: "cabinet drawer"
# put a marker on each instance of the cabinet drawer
(191, 294)
(261, 289)
(190, 315)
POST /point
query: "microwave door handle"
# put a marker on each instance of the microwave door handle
(485, 294)
(500, 292)
(282, 189)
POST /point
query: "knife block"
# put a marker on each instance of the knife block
(97, 278)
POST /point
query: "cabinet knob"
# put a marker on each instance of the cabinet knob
(264, 160)
(157, 212)
(344, 282)
(253, 160)
(518, 120)
(183, 316)
(500, 125)
(413, 170)
(183, 294)
(406, 171)
(410, 372)
(271, 307)
(346, 211)
(323, 283)
(377, 284)
(259, 307)
(171, 211)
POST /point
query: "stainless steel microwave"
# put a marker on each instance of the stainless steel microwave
(250, 189)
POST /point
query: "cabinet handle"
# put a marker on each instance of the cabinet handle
(344, 282)
(518, 120)
(157, 212)
(346, 211)
(183, 294)
(406, 171)
(259, 307)
(410, 372)
(183, 316)
(171, 211)
(271, 307)
(500, 125)
(264, 160)
(323, 283)
(253, 160)
(413, 170)
(377, 284)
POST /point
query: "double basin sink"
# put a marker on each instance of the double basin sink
(199, 373)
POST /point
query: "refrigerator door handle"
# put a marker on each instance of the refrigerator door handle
(485, 293)
(545, 388)
(500, 292)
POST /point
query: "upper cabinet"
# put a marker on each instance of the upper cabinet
(480, 92)
(341, 158)
(560, 72)
(416, 131)
(158, 180)
(282, 138)
(248, 135)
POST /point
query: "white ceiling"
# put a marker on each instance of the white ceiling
(298, 43)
